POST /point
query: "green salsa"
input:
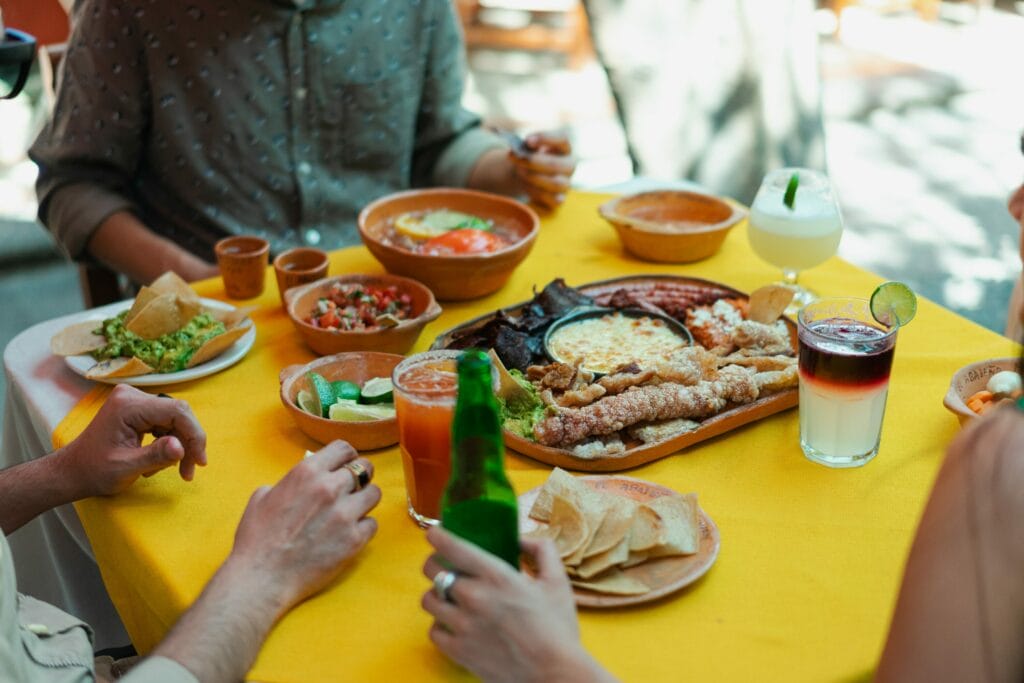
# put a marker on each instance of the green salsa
(168, 353)
(519, 416)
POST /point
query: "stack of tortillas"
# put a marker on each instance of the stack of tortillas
(599, 534)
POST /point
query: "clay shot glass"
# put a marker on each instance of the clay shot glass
(297, 267)
(243, 265)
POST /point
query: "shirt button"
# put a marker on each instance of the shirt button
(39, 629)
(300, 94)
(311, 237)
(305, 168)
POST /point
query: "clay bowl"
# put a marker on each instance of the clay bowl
(357, 367)
(451, 278)
(301, 301)
(971, 379)
(672, 226)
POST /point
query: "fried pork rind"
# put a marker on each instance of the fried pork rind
(77, 339)
(581, 397)
(553, 376)
(712, 326)
(662, 431)
(768, 340)
(770, 382)
(599, 447)
(118, 367)
(688, 366)
(623, 379)
(759, 363)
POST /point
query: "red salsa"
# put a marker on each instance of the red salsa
(360, 307)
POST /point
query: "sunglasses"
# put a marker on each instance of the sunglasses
(17, 52)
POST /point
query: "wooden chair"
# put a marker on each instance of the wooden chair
(555, 26)
(48, 21)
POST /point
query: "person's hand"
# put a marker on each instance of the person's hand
(296, 535)
(108, 455)
(505, 625)
(1016, 204)
(545, 169)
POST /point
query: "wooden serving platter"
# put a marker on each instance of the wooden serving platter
(641, 454)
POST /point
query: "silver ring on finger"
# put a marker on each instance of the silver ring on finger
(360, 474)
(443, 582)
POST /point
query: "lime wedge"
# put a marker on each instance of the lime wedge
(322, 393)
(790, 196)
(345, 389)
(307, 403)
(893, 304)
(378, 390)
(344, 411)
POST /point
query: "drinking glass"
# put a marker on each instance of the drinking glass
(425, 386)
(845, 358)
(800, 237)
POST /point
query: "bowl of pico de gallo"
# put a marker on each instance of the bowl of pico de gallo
(383, 313)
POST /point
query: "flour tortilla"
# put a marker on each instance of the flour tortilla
(77, 339)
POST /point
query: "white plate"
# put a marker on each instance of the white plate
(83, 363)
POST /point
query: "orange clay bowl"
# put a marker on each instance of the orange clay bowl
(451, 278)
(301, 301)
(357, 367)
(968, 381)
(672, 226)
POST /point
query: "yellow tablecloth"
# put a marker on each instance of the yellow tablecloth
(810, 560)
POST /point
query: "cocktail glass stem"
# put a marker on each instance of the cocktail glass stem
(801, 297)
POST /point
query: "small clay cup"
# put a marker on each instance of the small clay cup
(243, 265)
(297, 267)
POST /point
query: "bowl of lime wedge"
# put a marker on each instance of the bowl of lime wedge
(346, 396)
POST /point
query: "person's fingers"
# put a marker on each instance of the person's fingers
(465, 557)
(1016, 203)
(333, 455)
(443, 611)
(357, 505)
(555, 143)
(350, 479)
(164, 452)
(144, 413)
(548, 164)
(444, 639)
(550, 183)
(545, 556)
(432, 566)
(546, 200)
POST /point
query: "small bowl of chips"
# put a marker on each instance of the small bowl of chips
(623, 541)
(166, 334)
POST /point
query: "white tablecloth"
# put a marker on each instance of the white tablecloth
(52, 556)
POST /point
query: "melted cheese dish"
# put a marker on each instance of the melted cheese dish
(603, 344)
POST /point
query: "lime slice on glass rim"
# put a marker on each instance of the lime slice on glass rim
(893, 304)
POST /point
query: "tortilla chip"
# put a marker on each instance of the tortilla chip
(614, 527)
(614, 556)
(614, 582)
(682, 525)
(594, 517)
(118, 367)
(143, 298)
(635, 557)
(171, 283)
(157, 318)
(230, 318)
(768, 303)
(188, 309)
(559, 482)
(647, 530)
(215, 346)
(571, 525)
(77, 339)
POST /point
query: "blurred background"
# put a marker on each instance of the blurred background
(913, 107)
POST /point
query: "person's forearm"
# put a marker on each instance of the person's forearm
(218, 638)
(31, 488)
(494, 172)
(126, 245)
(578, 667)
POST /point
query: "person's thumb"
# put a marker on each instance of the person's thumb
(163, 452)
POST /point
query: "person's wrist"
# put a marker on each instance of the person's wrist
(64, 473)
(253, 580)
(571, 664)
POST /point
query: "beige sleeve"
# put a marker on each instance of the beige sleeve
(1015, 314)
(159, 670)
(457, 161)
(74, 212)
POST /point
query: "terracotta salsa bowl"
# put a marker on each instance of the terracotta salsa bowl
(673, 226)
(357, 367)
(458, 277)
(301, 301)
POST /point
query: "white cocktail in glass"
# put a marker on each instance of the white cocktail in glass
(795, 237)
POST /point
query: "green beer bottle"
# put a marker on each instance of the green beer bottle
(479, 504)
